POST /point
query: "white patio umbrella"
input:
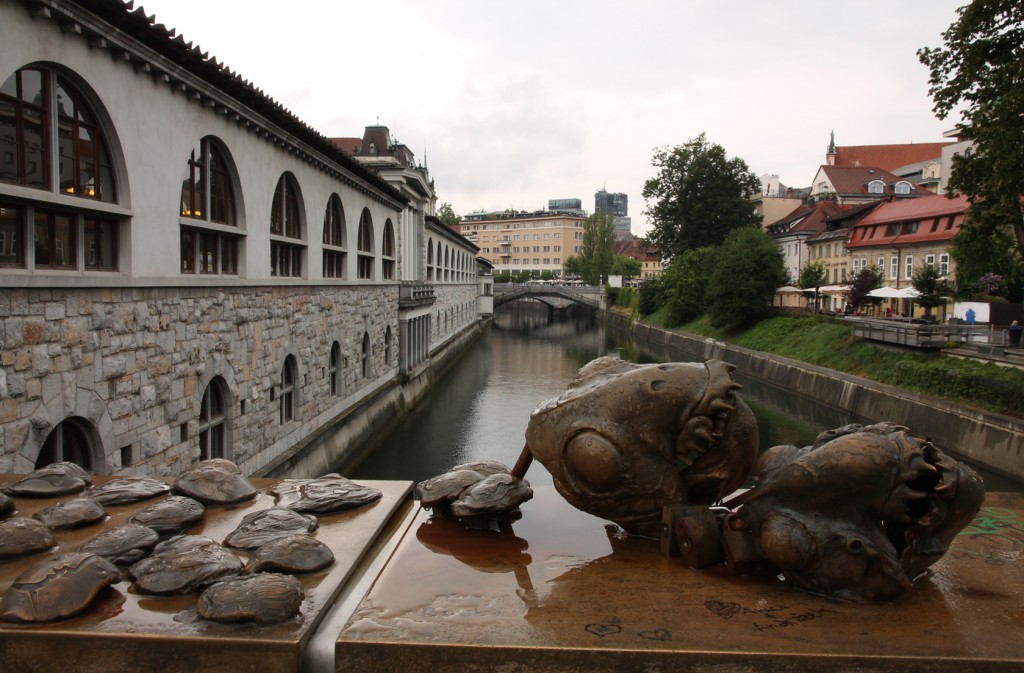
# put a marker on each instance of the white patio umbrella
(894, 293)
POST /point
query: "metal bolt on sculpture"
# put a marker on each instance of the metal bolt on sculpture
(662, 449)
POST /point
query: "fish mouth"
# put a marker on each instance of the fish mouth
(704, 424)
(921, 495)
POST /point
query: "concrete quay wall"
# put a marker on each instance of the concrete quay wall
(994, 441)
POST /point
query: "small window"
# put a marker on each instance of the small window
(901, 187)
(366, 355)
(333, 370)
(286, 396)
(69, 441)
(212, 428)
(876, 187)
(908, 268)
(944, 264)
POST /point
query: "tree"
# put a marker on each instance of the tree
(596, 251)
(813, 276)
(573, 267)
(685, 284)
(979, 253)
(698, 196)
(933, 288)
(627, 267)
(980, 70)
(749, 267)
(867, 279)
(447, 215)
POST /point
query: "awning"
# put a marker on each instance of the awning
(787, 289)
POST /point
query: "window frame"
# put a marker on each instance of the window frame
(335, 251)
(287, 245)
(213, 425)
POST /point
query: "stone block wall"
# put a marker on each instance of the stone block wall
(131, 365)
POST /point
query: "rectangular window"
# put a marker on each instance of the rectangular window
(55, 241)
(11, 254)
(334, 263)
(894, 267)
(908, 269)
(929, 260)
(208, 253)
(100, 244)
(856, 265)
(881, 263)
(944, 264)
(188, 251)
(229, 255)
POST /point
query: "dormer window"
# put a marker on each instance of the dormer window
(901, 187)
(876, 187)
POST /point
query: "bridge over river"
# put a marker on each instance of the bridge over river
(555, 297)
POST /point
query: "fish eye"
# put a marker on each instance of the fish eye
(594, 462)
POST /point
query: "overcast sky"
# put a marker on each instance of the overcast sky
(515, 103)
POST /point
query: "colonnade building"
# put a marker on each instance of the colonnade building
(187, 270)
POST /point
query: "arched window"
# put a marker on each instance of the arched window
(286, 230)
(901, 187)
(876, 187)
(447, 263)
(286, 398)
(334, 239)
(51, 140)
(430, 259)
(366, 355)
(387, 346)
(334, 370)
(365, 246)
(69, 441)
(388, 251)
(213, 421)
(207, 196)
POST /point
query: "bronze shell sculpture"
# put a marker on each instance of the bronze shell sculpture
(472, 489)
(71, 513)
(126, 490)
(51, 481)
(326, 494)
(264, 598)
(291, 554)
(57, 589)
(215, 482)
(258, 528)
(21, 536)
(183, 565)
(124, 544)
(170, 516)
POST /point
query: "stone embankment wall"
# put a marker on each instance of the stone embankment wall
(130, 366)
(357, 431)
(995, 441)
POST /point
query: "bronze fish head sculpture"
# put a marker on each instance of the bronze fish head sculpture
(626, 439)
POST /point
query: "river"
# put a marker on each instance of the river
(480, 410)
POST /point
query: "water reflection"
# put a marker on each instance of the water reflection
(480, 410)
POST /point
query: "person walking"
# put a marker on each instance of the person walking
(1014, 332)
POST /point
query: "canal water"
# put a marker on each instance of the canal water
(479, 411)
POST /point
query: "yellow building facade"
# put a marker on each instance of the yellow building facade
(515, 241)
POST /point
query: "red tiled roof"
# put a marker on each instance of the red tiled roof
(349, 145)
(887, 157)
(936, 217)
(855, 179)
(915, 209)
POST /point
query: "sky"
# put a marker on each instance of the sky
(514, 103)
